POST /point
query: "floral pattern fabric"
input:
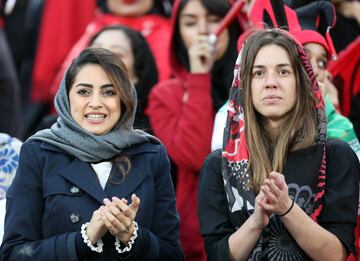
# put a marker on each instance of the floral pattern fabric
(9, 158)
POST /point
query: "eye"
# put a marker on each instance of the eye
(284, 72)
(83, 92)
(109, 92)
(214, 19)
(322, 64)
(189, 22)
(258, 74)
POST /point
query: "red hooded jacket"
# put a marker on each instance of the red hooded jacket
(181, 114)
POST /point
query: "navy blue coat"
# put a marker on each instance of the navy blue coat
(53, 194)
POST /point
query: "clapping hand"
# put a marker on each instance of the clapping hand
(118, 216)
(275, 190)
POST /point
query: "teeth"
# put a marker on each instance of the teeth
(95, 116)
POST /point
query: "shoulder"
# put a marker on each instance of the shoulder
(339, 148)
(168, 86)
(213, 162)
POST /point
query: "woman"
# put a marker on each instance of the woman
(279, 182)
(181, 110)
(91, 187)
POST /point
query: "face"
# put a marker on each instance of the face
(117, 42)
(129, 8)
(94, 100)
(273, 84)
(318, 59)
(195, 20)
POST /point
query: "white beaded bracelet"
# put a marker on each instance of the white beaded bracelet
(87, 241)
(129, 245)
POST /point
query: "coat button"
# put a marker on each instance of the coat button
(75, 218)
(74, 190)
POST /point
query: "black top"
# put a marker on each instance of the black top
(339, 215)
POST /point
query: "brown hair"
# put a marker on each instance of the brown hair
(117, 73)
(298, 130)
(119, 77)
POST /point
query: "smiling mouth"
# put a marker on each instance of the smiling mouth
(95, 118)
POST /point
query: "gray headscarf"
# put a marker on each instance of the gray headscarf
(69, 136)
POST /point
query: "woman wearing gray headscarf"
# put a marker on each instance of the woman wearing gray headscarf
(91, 187)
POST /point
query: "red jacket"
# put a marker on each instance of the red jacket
(181, 114)
(62, 24)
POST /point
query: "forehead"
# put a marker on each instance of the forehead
(272, 55)
(89, 73)
(113, 37)
(315, 49)
(193, 8)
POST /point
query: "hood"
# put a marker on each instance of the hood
(177, 69)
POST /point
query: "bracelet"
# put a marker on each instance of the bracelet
(287, 211)
(87, 241)
(129, 245)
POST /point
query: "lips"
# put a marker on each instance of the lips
(95, 117)
(129, 2)
(269, 99)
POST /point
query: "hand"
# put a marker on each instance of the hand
(201, 55)
(96, 228)
(260, 216)
(275, 190)
(350, 9)
(118, 217)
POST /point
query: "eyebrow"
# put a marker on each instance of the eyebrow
(278, 65)
(106, 85)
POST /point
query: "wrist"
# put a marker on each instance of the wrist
(290, 205)
(254, 225)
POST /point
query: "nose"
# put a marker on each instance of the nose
(95, 101)
(203, 27)
(271, 80)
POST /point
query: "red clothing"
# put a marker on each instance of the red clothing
(182, 116)
(155, 28)
(63, 23)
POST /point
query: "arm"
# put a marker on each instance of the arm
(23, 239)
(334, 234)
(160, 242)
(222, 240)
(183, 118)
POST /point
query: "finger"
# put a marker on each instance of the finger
(278, 178)
(135, 202)
(271, 198)
(113, 224)
(273, 187)
(112, 207)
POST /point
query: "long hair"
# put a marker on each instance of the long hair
(119, 77)
(222, 70)
(299, 128)
(115, 70)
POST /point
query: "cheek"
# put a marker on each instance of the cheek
(187, 34)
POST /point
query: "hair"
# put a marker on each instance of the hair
(215, 7)
(145, 68)
(222, 71)
(298, 130)
(119, 77)
(115, 70)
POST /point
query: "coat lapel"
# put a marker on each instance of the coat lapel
(82, 175)
(123, 188)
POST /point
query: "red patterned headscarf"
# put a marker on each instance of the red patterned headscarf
(235, 156)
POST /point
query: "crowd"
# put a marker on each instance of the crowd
(179, 130)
